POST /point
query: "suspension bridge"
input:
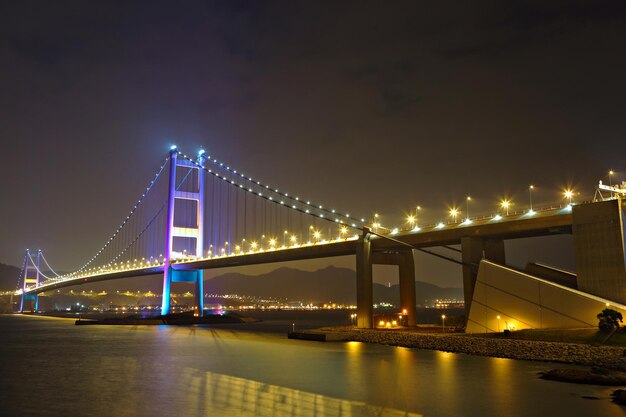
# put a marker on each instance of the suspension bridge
(199, 213)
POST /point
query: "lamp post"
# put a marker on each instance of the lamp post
(454, 213)
(467, 200)
(530, 196)
(568, 194)
(498, 317)
(443, 323)
(410, 220)
(505, 204)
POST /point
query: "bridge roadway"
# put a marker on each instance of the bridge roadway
(542, 223)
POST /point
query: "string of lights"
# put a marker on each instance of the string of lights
(280, 202)
(130, 215)
(22, 270)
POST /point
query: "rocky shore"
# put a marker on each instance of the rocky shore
(571, 353)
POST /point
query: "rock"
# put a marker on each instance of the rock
(581, 376)
(619, 396)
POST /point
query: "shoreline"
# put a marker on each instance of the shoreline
(609, 357)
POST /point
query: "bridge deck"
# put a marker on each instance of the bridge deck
(549, 222)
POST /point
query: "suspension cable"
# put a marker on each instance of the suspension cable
(48, 265)
(130, 215)
(22, 271)
(280, 202)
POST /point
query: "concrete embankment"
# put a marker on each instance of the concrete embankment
(571, 353)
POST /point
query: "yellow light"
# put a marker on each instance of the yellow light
(611, 172)
(505, 203)
(394, 323)
(443, 316)
(404, 311)
(411, 219)
(469, 198)
(568, 193)
(317, 235)
(381, 323)
(253, 245)
(272, 242)
(532, 187)
(293, 238)
(454, 212)
(344, 230)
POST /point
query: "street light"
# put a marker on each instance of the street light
(454, 212)
(467, 200)
(530, 197)
(443, 323)
(568, 194)
(410, 219)
(498, 317)
(505, 204)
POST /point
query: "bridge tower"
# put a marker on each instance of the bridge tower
(195, 233)
(31, 276)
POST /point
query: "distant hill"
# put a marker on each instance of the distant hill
(329, 284)
(321, 286)
(8, 277)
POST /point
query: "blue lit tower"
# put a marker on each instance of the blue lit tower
(31, 277)
(194, 233)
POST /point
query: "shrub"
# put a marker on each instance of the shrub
(609, 320)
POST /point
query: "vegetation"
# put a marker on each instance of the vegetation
(609, 320)
(590, 336)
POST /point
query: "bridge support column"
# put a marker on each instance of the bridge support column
(31, 276)
(194, 277)
(599, 231)
(474, 249)
(364, 285)
(195, 232)
(406, 268)
(407, 287)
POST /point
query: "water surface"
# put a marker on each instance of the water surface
(49, 367)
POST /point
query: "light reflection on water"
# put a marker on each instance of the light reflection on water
(211, 392)
(51, 367)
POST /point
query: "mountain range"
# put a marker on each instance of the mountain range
(330, 284)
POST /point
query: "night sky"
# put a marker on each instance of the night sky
(365, 106)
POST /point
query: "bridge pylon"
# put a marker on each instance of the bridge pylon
(186, 232)
(31, 277)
